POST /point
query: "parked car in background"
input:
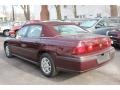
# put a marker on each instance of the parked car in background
(56, 46)
(15, 28)
(5, 27)
(115, 36)
(100, 25)
(77, 21)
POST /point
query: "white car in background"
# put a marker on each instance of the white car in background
(5, 27)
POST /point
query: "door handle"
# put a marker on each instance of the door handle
(35, 43)
(23, 45)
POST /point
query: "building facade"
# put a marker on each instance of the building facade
(67, 11)
(83, 11)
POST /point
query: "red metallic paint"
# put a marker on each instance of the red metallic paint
(60, 47)
(14, 30)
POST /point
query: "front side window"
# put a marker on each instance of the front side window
(69, 29)
(34, 31)
(22, 32)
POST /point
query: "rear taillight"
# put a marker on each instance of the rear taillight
(88, 46)
(83, 49)
(80, 49)
(106, 41)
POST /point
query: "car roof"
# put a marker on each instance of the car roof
(51, 23)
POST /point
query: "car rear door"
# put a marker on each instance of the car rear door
(31, 43)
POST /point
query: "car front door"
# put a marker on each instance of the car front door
(30, 44)
(16, 42)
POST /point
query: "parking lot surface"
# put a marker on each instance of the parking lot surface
(19, 72)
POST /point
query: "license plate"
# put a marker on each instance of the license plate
(103, 57)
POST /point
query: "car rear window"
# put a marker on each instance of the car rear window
(68, 29)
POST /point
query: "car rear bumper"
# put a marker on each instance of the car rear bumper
(83, 63)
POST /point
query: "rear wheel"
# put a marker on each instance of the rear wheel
(47, 65)
(7, 51)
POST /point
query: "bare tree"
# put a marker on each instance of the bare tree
(44, 14)
(26, 9)
(75, 11)
(114, 11)
(4, 10)
(58, 10)
(13, 13)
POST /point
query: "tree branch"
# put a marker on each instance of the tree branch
(23, 7)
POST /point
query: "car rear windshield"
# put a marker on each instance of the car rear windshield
(69, 29)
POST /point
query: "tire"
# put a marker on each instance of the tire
(7, 51)
(6, 33)
(47, 66)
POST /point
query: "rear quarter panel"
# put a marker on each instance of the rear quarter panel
(60, 47)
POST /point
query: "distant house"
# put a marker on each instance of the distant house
(3, 18)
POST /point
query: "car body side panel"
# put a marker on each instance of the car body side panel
(15, 45)
(30, 48)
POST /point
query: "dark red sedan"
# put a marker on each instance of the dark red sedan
(56, 46)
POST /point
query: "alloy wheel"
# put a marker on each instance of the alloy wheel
(46, 65)
(7, 50)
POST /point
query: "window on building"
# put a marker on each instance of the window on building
(65, 6)
(82, 16)
(65, 17)
(98, 14)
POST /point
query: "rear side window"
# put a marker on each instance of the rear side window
(68, 29)
(34, 31)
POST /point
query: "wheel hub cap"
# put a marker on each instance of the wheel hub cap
(46, 65)
(7, 51)
(7, 33)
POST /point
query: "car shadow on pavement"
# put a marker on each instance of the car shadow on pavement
(34, 70)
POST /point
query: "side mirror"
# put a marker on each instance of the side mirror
(98, 26)
(13, 35)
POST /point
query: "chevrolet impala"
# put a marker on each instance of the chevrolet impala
(55, 46)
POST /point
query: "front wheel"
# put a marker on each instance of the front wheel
(7, 51)
(47, 65)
